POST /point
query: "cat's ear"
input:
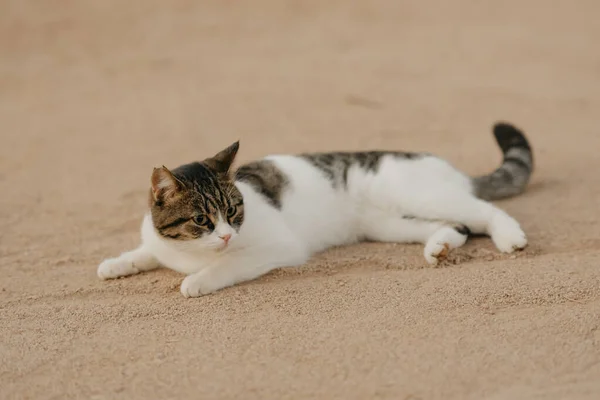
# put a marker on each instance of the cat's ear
(164, 184)
(223, 160)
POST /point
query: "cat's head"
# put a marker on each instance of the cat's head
(198, 202)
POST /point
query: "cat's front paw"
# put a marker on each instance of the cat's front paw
(196, 285)
(112, 268)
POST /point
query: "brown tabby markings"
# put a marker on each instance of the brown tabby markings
(265, 178)
(335, 166)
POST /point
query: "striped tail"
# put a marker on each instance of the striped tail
(511, 178)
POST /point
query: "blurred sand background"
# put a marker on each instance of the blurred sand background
(94, 94)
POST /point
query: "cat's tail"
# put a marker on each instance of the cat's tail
(511, 178)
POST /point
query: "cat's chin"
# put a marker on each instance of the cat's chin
(216, 247)
(197, 246)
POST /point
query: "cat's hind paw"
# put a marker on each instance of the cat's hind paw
(436, 252)
(112, 268)
(510, 242)
(508, 236)
(441, 242)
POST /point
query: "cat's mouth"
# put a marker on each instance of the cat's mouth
(221, 247)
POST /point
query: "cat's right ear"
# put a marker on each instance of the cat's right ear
(164, 184)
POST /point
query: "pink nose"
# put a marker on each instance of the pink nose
(226, 238)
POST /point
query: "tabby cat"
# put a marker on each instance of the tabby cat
(221, 226)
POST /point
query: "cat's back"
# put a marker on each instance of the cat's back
(347, 175)
(290, 182)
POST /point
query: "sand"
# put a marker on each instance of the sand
(94, 94)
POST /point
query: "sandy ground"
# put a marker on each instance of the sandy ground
(94, 94)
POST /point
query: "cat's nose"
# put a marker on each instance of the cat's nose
(226, 238)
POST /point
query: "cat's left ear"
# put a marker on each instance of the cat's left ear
(223, 160)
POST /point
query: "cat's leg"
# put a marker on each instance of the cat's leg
(505, 231)
(382, 227)
(480, 216)
(128, 263)
(245, 266)
(439, 238)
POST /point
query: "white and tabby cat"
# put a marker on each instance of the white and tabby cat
(221, 227)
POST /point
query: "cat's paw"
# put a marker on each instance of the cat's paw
(508, 242)
(436, 252)
(196, 285)
(441, 242)
(112, 268)
(508, 236)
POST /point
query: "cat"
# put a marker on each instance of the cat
(221, 226)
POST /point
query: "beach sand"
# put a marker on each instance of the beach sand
(93, 95)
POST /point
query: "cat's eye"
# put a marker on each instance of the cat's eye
(201, 220)
(231, 211)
